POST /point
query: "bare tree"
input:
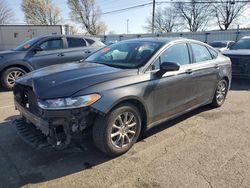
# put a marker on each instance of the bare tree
(6, 14)
(166, 20)
(42, 12)
(88, 15)
(194, 13)
(226, 11)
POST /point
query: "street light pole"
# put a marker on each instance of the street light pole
(127, 25)
(153, 18)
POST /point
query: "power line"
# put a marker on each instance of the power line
(109, 6)
(169, 2)
(203, 2)
(128, 8)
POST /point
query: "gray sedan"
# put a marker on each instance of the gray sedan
(120, 91)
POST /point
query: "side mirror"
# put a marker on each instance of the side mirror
(167, 67)
(37, 49)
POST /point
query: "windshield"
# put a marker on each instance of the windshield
(218, 44)
(27, 44)
(125, 54)
(241, 44)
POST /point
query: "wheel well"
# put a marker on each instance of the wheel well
(18, 66)
(140, 107)
(227, 80)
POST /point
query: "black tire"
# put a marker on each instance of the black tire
(5, 78)
(106, 126)
(220, 93)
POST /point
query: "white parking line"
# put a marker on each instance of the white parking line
(8, 106)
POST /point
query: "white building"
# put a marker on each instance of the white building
(12, 35)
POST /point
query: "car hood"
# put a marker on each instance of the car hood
(236, 52)
(64, 80)
(9, 52)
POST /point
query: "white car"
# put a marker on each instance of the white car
(221, 46)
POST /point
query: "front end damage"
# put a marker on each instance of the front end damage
(58, 128)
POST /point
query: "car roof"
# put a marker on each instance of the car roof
(246, 37)
(73, 36)
(163, 40)
(222, 41)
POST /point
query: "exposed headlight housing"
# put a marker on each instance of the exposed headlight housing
(68, 103)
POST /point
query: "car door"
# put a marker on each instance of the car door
(50, 53)
(77, 49)
(204, 72)
(170, 94)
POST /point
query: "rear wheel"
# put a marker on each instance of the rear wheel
(221, 93)
(116, 133)
(10, 75)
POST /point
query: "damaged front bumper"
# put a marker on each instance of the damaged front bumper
(57, 128)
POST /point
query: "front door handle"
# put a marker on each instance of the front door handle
(216, 66)
(188, 71)
(60, 55)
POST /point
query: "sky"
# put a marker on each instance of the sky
(116, 22)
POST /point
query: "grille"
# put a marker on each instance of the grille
(240, 65)
(25, 96)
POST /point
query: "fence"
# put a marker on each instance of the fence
(208, 36)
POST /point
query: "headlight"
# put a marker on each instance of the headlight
(68, 103)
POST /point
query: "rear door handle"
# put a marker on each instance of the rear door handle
(188, 71)
(88, 52)
(60, 55)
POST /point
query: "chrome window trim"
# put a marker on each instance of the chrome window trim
(161, 51)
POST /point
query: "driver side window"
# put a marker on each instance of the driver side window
(53, 44)
(177, 53)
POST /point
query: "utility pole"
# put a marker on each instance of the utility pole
(127, 25)
(153, 18)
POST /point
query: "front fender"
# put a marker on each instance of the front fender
(17, 63)
(112, 98)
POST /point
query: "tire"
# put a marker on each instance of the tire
(10, 75)
(110, 130)
(220, 93)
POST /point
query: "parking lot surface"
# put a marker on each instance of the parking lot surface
(204, 148)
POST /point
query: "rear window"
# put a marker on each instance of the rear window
(90, 41)
(76, 42)
(218, 44)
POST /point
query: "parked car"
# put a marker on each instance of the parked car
(239, 54)
(222, 45)
(110, 42)
(41, 52)
(121, 91)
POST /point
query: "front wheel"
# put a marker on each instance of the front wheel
(10, 75)
(220, 93)
(117, 132)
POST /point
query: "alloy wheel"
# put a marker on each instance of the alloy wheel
(123, 129)
(13, 76)
(221, 92)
